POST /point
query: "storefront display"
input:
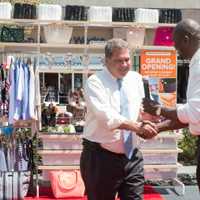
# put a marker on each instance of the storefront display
(63, 66)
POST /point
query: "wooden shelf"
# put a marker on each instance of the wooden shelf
(146, 151)
(175, 166)
(153, 47)
(54, 152)
(67, 167)
(84, 23)
(19, 47)
(60, 48)
(58, 167)
(161, 151)
(20, 21)
(66, 70)
(47, 135)
(60, 137)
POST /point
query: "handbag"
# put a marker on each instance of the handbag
(14, 184)
(12, 34)
(163, 36)
(66, 183)
(24, 11)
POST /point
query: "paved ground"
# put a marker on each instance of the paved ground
(191, 191)
(169, 192)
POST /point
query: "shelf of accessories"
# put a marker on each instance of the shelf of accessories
(58, 48)
(86, 26)
(35, 22)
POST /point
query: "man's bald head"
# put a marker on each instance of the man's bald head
(187, 38)
(188, 27)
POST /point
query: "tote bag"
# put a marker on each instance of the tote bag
(66, 183)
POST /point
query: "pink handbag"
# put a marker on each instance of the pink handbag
(66, 183)
(163, 36)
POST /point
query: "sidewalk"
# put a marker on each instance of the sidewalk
(191, 191)
(187, 170)
(168, 193)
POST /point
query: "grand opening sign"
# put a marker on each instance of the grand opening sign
(154, 63)
(160, 69)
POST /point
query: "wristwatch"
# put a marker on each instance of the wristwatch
(158, 111)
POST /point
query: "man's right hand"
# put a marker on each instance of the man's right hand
(147, 130)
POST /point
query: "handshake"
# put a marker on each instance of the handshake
(153, 122)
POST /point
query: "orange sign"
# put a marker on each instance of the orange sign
(158, 63)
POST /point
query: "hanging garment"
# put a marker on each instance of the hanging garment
(22, 159)
(25, 104)
(22, 99)
(12, 93)
(3, 166)
(32, 95)
(19, 87)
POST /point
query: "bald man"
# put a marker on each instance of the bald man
(187, 43)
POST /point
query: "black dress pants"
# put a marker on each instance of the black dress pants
(106, 174)
(198, 163)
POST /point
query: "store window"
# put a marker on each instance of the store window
(65, 87)
(49, 87)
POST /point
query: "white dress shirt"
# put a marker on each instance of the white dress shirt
(103, 107)
(190, 112)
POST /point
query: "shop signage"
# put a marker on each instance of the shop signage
(159, 68)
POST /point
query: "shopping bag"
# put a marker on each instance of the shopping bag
(66, 183)
(14, 185)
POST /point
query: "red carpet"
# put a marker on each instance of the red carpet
(46, 194)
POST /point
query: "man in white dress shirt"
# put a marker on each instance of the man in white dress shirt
(105, 168)
(187, 43)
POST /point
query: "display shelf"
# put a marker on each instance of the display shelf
(83, 29)
(161, 151)
(62, 48)
(58, 167)
(20, 22)
(7, 47)
(173, 166)
(46, 135)
(146, 167)
(84, 23)
(58, 151)
(67, 70)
